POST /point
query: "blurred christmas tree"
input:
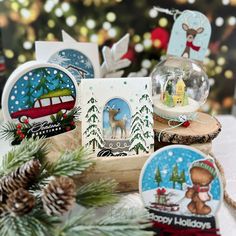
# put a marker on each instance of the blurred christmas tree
(105, 21)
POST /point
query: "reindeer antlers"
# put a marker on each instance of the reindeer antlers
(110, 108)
(186, 26)
(201, 28)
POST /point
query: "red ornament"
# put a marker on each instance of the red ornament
(2, 67)
(19, 126)
(26, 121)
(186, 124)
(160, 38)
(130, 54)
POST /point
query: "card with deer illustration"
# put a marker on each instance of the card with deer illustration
(190, 36)
(117, 116)
(81, 59)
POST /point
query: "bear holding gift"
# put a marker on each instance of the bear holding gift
(202, 173)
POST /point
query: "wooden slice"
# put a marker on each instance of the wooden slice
(203, 130)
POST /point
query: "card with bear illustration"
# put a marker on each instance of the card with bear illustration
(181, 187)
(117, 116)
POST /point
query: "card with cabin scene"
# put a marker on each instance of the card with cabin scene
(190, 36)
(81, 59)
(117, 117)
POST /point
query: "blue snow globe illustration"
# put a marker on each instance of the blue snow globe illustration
(116, 125)
(79, 65)
(175, 177)
(41, 92)
(116, 119)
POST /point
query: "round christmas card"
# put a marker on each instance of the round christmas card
(39, 99)
(180, 186)
(79, 65)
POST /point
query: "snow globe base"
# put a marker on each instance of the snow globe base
(200, 131)
(173, 113)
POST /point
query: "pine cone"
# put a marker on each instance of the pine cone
(22, 177)
(20, 202)
(59, 196)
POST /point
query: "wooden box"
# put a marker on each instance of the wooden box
(126, 169)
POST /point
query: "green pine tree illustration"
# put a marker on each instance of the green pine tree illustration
(169, 87)
(146, 112)
(44, 81)
(93, 132)
(137, 138)
(182, 179)
(29, 94)
(158, 177)
(174, 176)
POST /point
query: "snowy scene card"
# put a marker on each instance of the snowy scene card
(39, 100)
(180, 186)
(190, 36)
(117, 116)
(81, 59)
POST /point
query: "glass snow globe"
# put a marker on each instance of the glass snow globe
(179, 86)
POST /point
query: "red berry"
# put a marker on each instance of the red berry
(26, 121)
(19, 132)
(19, 126)
(186, 124)
(22, 136)
(72, 123)
(67, 128)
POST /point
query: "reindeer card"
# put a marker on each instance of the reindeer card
(117, 116)
(81, 59)
(190, 36)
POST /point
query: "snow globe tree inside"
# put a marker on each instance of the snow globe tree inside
(180, 86)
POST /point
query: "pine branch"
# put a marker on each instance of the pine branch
(7, 130)
(116, 223)
(28, 150)
(97, 193)
(70, 163)
(36, 223)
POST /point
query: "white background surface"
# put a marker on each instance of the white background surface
(224, 147)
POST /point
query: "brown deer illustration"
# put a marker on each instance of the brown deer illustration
(190, 36)
(114, 123)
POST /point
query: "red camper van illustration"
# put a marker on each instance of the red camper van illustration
(47, 104)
